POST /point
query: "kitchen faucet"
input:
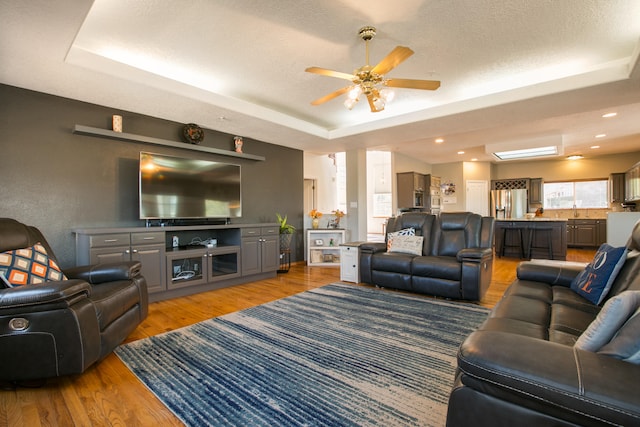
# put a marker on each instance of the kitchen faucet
(575, 211)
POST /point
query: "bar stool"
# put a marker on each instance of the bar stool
(509, 232)
(545, 233)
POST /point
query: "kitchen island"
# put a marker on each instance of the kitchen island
(531, 238)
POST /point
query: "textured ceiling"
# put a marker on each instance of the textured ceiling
(511, 71)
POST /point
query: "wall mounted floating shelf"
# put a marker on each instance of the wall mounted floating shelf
(123, 136)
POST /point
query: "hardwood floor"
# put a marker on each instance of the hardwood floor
(108, 394)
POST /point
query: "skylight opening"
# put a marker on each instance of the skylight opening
(526, 153)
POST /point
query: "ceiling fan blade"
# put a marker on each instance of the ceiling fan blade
(372, 105)
(330, 73)
(413, 84)
(331, 96)
(392, 60)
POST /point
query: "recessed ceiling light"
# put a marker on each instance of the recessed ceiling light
(595, 146)
(606, 116)
(601, 135)
(439, 140)
(474, 160)
(460, 152)
(575, 157)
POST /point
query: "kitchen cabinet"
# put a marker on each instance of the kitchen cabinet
(586, 232)
(535, 191)
(616, 188)
(323, 246)
(602, 232)
(632, 184)
(260, 250)
(146, 247)
(411, 190)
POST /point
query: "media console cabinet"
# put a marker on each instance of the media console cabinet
(242, 253)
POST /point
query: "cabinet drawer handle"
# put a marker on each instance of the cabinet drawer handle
(148, 238)
(110, 240)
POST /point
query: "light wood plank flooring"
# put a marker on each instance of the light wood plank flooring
(108, 394)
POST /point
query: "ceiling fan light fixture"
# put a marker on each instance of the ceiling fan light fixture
(387, 95)
(355, 92)
(350, 103)
(379, 103)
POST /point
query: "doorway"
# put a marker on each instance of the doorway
(310, 196)
(477, 198)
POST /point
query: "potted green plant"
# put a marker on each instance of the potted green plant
(286, 232)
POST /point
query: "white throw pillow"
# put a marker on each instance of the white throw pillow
(611, 318)
(404, 232)
(625, 345)
(406, 244)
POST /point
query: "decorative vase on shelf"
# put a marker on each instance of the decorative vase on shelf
(315, 223)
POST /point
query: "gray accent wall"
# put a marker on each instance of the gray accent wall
(56, 180)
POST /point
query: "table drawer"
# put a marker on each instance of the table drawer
(249, 232)
(147, 238)
(268, 231)
(106, 240)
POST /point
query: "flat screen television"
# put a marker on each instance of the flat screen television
(184, 188)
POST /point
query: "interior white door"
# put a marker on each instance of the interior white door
(310, 197)
(477, 199)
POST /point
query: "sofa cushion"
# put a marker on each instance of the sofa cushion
(396, 262)
(28, 266)
(535, 309)
(406, 244)
(596, 279)
(435, 266)
(609, 321)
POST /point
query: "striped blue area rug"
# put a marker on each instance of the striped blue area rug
(340, 355)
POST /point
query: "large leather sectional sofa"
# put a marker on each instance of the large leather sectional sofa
(455, 261)
(525, 364)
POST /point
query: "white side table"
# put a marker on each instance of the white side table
(350, 262)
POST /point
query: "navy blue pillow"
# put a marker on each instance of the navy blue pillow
(595, 281)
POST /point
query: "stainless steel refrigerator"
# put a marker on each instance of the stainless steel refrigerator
(507, 204)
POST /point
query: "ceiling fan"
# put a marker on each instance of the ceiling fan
(370, 80)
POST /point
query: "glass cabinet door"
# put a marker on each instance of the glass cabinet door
(186, 269)
(223, 263)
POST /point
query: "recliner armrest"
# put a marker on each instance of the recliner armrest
(551, 272)
(551, 377)
(108, 272)
(52, 295)
(474, 254)
(373, 247)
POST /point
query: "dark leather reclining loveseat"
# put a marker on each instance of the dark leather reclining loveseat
(62, 327)
(525, 364)
(456, 259)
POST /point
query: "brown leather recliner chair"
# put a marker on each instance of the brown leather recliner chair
(62, 327)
